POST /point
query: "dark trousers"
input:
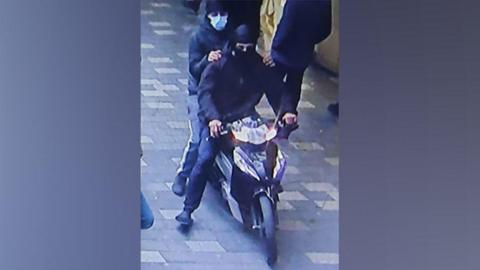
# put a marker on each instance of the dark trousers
(191, 150)
(207, 151)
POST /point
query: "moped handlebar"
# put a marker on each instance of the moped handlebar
(283, 129)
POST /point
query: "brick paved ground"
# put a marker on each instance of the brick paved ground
(308, 231)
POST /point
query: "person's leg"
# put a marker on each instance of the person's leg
(191, 150)
(198, 178)
(146, 214)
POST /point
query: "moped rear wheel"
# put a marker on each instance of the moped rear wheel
(268, 227)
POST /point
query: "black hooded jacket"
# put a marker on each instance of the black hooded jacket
(303, 24)
(204, 40)
(229, 91)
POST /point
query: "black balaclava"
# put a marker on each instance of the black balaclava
(242, 34)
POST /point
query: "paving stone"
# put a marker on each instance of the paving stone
(320, 204)
(205, 246)
(334, 194)
(149, 81)
(146, 46)
(316, 196)
(151, 256)
(323, 258)
(160, 105)
(178, 125)
(160, 60)
(160, 5)
(160, 24)
(221, 258)
(167, 87)
(284, 205)
(154, 93)
(239, 242)
(183, 81)
(169, 146)
(319, 186)
(332, 161)
(176, 161)
(151, 186)
(331, 205)
(212, 266)
(147, 12)
(303, 104)
(292, 196)
(292, 225)
(146, 139)
(306, 87)
(169, 213)
(167, 71)
(165, 32)
(292, 170)
(328, 205)
(183, 54)
(164, 245)
(307, 146)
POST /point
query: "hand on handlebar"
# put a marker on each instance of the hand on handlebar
(215, 127)
(289, 118)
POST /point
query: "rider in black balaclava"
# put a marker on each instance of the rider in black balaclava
(242, 46)
(229, 90)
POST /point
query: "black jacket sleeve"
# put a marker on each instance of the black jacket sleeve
(197, 57)
(286, 26)
(281, 100)
(289, 101)
(323, 25)
(208, 82)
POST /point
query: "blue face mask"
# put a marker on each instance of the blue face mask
(218, 22)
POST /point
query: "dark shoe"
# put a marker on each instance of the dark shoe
(333, 109)
(185, 218)
(179, 185)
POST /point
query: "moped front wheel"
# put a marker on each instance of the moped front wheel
(268, 228)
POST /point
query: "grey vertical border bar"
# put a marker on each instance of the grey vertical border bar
(409, 91)
(69, 135)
